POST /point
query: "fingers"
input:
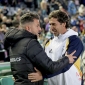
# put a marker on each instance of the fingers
(73, 53)
(74, 57)
(32, 74)
(31, 78)
(34, 80)
(71, 60)
(36, 76)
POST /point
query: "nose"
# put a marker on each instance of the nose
(51, 27)
(39, 29)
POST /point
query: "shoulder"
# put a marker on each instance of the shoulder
(75, 41)
(75, 44)
(74, 38)
(34, 44)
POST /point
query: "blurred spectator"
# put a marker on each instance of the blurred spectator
(77, 3)
(5, 11)
(45, 10)
(63, 3)
(21, 4)
(81, 9)
(8, 23)
(17, 16)
(15, 24)
(83, 27)
(38, 2)
(71, 8)
(12, 3)
(35, 4)
(1, 17)
(43, 6)
(41, 16)
(41, 38)
(75, 22)
(46, 21)
(4, 19)
(4, 28)
(3, 53)
(75, 29)
(54, 5)
(4, 2)
(19, 11)
(1, 39)
(63, 10)
(29, 3)
(81, 17)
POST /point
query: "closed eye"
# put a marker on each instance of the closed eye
(52, 24)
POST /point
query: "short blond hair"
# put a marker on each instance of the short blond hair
(28, 17)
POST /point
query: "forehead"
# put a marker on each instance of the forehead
(53, 20)
(36, 21)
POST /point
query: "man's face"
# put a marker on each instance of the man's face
(54, 31)
(55, 26)
(34, 27)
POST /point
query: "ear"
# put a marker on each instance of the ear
(64, 24)
(27, 28)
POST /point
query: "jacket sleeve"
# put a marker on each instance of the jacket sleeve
(74, 44)
(41, 61)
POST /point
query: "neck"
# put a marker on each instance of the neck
(64, 31)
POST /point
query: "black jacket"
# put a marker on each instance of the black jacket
(25, 53)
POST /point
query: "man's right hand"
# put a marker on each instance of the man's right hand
(71, 57)
(35, 76)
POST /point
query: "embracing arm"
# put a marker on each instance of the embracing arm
(41, 61)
